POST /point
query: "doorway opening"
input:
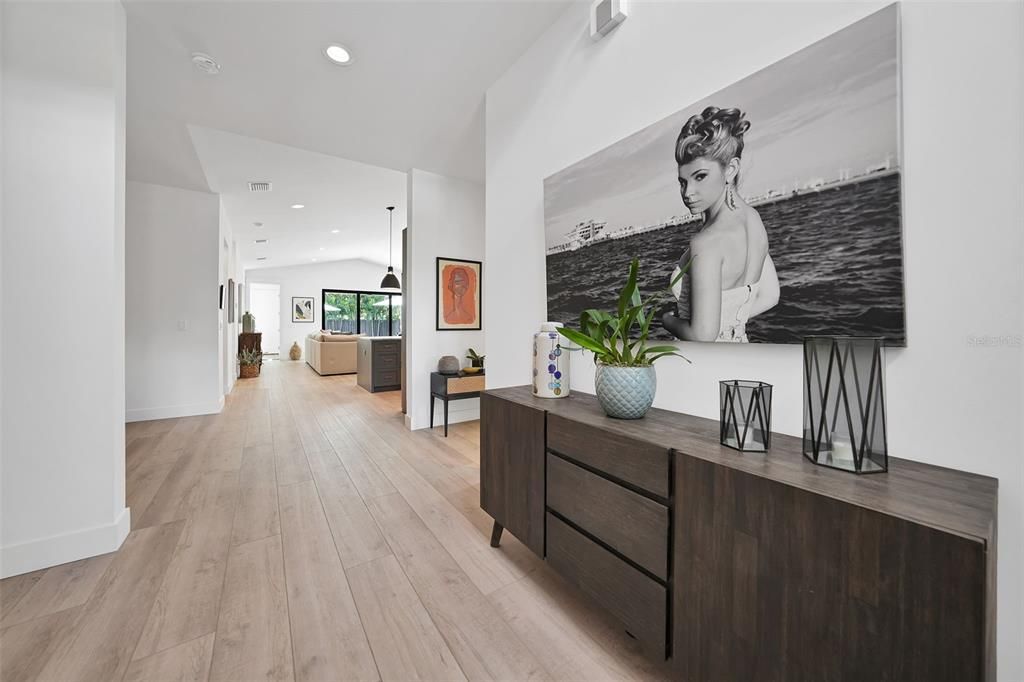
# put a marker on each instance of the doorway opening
(265, 306)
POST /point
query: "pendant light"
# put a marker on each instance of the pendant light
(390, 280)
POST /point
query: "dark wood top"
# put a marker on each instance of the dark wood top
(933, 496)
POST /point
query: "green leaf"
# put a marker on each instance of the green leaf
(682, 271)
(583, 340)
(662, 355)
(645, 328)
(629, 292)
(594, 323)
(675, 280)
(662, 349)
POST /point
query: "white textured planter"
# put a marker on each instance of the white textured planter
(625, 392)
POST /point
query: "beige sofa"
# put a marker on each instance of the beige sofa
(332, 353)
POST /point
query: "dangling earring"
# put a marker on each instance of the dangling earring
(730, 197)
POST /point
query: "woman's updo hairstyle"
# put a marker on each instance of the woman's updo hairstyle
(715, 133)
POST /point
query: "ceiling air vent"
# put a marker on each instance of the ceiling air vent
(259, 186)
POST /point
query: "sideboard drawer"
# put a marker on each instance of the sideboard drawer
(636, 462)
(631, 524)
(388, 347)
(467, 384)
(386, 361)
(638, 602)
(386, 377)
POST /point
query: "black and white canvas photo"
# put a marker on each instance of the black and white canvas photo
(777, 198)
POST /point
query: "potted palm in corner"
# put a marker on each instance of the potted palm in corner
(625, 381)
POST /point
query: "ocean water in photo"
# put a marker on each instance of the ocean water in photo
(838, 253)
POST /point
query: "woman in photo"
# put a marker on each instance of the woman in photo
(731, 277)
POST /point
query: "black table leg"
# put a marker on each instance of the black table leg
(445, 417)
(432, 410)
(496, 534)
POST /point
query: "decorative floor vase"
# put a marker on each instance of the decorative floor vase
(295, 353)
(625, 392)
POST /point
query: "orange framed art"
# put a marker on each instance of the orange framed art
(459, 289)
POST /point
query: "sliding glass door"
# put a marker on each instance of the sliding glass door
(362, 312)
(339, 311)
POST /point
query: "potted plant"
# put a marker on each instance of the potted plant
(475, 359)
(249, 361)
(625, 380)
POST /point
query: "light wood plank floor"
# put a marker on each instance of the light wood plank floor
(305, 534)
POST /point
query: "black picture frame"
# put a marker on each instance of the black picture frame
(220, 299)
(444, 326)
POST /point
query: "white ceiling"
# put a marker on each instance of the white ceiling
(338, 194)
(412, 99)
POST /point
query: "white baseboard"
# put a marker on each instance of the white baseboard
(456, 413)
(146, 414)
(60, 549)
(457, 416)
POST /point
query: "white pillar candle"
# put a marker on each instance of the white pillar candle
(842, 450)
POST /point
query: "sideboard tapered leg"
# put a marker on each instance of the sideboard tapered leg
(496, 534)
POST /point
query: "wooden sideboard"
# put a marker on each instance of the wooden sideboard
(748, 566)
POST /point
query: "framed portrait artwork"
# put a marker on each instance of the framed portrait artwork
(302, 308)
(458, 294)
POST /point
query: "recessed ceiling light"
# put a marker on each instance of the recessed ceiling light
(335, 231)
(298, 206)
(313, 259)
(258, 224)
(205, 63)
(338, 54)
(262, 258)
(322, 248)
(261, 241)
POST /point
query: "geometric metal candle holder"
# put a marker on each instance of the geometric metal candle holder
(844, 403)
(746, 415)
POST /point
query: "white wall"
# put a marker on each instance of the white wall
(445, 218)
(311, 280)
(172, 331)
(62, 283)
(951, 402)
(227, 332)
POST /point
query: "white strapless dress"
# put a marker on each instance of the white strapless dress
(736, 304)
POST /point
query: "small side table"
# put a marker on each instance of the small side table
(449, 387)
